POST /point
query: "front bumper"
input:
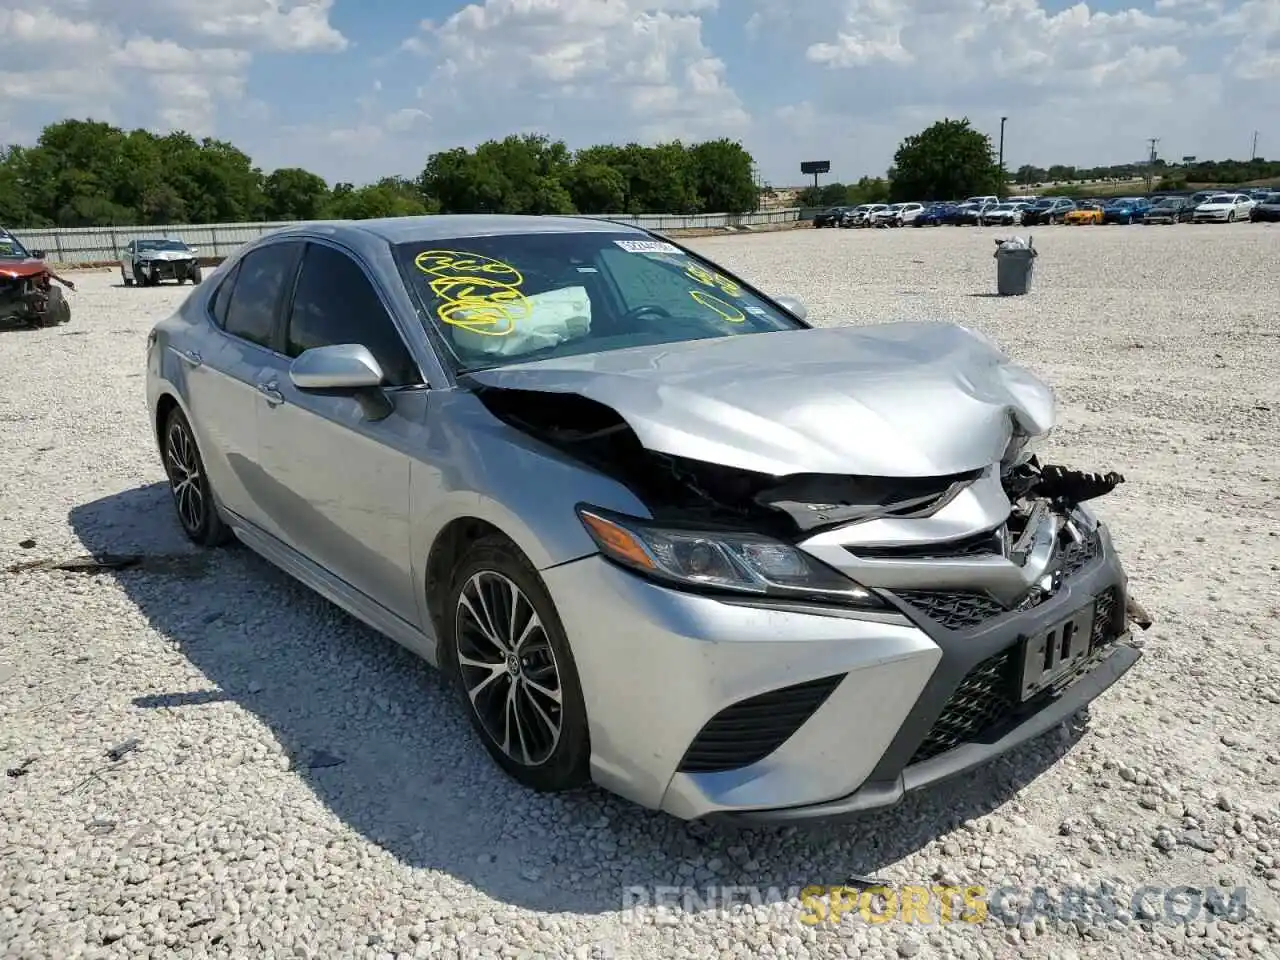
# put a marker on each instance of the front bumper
(168, 269)
(858, 711)
(1217, 216)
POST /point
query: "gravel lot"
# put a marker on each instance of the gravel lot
(304, 788)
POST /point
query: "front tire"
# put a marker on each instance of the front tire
(189, 484)
(511, 663)
(56, 311)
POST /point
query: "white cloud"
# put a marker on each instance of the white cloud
(1079, 84)
(620, 69)
(180, 60)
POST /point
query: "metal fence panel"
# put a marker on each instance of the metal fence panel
(98, 244)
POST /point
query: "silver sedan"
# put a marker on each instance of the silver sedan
(662, 533)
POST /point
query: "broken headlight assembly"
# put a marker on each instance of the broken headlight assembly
(743, 563)
(1020, 450)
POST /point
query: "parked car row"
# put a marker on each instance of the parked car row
(1206, 206)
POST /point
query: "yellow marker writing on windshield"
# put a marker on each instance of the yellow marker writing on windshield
(727, 311)
(709, 279)
(479, 294)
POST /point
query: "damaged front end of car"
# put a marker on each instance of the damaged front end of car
(27, 296)
(914, 498)
(756, 436)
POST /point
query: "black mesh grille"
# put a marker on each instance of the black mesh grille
(1105, 628)
(1076, 554)
(986, 697)
(983, 699)
(750, 730)
(955, 610)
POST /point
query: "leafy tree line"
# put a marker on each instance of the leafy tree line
(950, 159)
(1201, 171)
(83, 173)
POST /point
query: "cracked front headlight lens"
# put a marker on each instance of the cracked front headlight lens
(740, 562)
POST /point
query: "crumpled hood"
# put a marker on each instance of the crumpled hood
(892, 400)
(22, 268)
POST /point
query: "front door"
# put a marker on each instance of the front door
(339, 482)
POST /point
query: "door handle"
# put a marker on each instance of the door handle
(270, 390)
(192, 357)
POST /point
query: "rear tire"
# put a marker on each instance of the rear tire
(515, 674)
(196, 275)
(193, 497)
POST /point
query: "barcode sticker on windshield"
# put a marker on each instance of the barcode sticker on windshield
(647, 246)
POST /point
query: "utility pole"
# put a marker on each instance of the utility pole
(1000, 184)
(1151, 163)
(1253, 154)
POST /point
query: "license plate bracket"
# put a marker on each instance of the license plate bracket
(1052, 654)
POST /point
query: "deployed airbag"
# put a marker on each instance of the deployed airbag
(548, 319)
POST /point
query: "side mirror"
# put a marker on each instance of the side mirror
(793, 305)
(343, 366)
(39, 254)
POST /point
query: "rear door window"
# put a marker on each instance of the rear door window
(261, 278)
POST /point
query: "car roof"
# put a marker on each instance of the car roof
(445, 226)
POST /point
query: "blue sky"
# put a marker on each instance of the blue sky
(356, 89)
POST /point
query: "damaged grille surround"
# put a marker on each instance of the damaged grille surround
(960, 610)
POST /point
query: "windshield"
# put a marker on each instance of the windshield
(519, 297)
(162, 245)
(11, 248)
(1222, 198)
(1271, 198)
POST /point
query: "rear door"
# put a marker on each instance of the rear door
(223, 377)
(338, 482)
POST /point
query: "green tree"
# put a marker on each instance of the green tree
(460, 183)
(947, 159)
(722, 177)
(829, 195)
(596, 188)
(389, 197)
(868, 190)
(292, 193)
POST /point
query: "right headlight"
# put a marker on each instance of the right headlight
(739, 562)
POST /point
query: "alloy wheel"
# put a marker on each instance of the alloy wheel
(182, 463)
(508, 668)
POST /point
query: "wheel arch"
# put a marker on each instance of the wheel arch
(447, 549)
(166, 403)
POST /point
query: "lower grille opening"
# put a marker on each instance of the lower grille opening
(1108, 618)
(751, 729)
(983, 699)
